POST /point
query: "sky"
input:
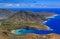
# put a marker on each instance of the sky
(29, 3)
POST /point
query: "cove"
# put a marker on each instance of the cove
(25, 31)
(52, 22)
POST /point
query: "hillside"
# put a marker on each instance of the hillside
(25, 20)
(5, 13)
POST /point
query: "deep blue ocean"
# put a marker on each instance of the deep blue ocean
(55, 10)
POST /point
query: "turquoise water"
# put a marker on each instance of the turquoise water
(25, 31)
(22, 31)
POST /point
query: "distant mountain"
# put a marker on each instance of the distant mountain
(47, 14)
(26, 15)
(29, 15)
(4, 13)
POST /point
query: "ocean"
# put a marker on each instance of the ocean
(55, 10)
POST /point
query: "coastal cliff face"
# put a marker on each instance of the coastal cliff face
(24, 20)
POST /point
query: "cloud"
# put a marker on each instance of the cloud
(30, 5)
(9, 5)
